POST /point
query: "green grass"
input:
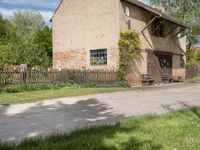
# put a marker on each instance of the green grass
(195, 80)
(33, 96)
(174, 131)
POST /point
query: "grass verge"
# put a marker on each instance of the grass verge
(34, 96)
(195, 80)
(175, 131)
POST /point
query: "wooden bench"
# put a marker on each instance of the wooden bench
(146, 80)
(166, 78)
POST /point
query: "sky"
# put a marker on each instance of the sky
(45, 7)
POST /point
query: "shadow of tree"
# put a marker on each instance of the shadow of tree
(135, 144)
(109, 137)
(196, 111)
(44, 119)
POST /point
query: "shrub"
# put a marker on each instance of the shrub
(72, 85)
(129, 45)
(21, 88)
(11, 89)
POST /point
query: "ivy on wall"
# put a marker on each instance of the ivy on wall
(129, 45)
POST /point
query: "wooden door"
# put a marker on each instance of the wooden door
(154, 70)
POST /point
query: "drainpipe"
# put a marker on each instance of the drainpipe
(152, 20)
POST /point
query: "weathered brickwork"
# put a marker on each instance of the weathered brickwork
(178, 70)
(132, 78)
(80, 59)
(73, 59)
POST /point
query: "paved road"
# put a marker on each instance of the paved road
(43, 118)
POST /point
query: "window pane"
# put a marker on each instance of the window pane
(98, 57)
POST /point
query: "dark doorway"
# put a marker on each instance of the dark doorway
(165, 61)
(159, 65)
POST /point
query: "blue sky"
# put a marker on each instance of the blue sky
(45, 7)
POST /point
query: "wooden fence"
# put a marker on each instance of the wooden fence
(46, 76)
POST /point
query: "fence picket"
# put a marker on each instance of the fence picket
(13, 76)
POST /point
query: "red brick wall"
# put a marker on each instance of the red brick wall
(74, 59)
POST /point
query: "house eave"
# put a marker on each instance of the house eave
(157, 13)
(56, 10)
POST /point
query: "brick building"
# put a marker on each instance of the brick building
(86, 35)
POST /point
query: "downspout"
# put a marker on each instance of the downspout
(152, 20)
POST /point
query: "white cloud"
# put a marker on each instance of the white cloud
(9, 12)
(146, 1)
(46, 15)
(38, 3)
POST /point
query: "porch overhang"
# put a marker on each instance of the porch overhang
(157, 13)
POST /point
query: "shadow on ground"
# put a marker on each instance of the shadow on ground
(58, 117)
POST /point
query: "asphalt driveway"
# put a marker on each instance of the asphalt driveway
(64, 115)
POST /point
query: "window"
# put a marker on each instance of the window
(157, 28)
(182, 62)
(98, 57)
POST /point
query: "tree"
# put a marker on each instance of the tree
(4, 26)
(27, 22)
(27, 42)
(43, 40)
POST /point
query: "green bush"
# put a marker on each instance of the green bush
(11, 89)
(91, 85)
(129, 45)
(72, 85)
(21, 88)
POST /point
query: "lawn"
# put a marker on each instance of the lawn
(33, 96)
(175, 131)
(195, 79)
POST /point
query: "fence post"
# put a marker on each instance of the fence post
(23, 69)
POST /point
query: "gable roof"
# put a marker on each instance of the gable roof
(157, 12)
(146, 7)
(57, 9)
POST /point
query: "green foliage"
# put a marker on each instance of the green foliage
(129, 45)
(27, 22)
(194, 80)
(189, 56)
(27, 40)
(43, 42)
(22, 88)
(35, 96)
(197, 57)
(193, 57)
(72, 85)
(4, 27)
